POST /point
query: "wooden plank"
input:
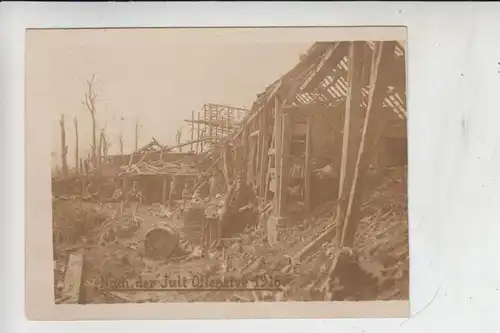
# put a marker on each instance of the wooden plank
(351, 131)
(277, 156)
(326, 236)
(73, 278)
(286, 132)
(264, 157)
(307, 171)
(260, 139)
(312, 110)
(251, 160)
(227, 161)
(246, 150)
(372, 129)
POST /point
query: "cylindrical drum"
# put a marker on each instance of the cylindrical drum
(160, 242)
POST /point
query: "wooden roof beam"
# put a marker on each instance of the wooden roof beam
(329, 60)
(309, 110)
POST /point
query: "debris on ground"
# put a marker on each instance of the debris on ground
(147, 246)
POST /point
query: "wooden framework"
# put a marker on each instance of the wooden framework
(214, 122)
(340, 83)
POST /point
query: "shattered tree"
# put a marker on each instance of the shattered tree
(90, 104)
(64, 148)
(77, 159)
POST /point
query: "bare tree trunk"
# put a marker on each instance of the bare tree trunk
(99, 151)
(94, 141)
(136, 135)
(105, 145)
(77, 159)
(90, 104)
(64, 148)
(121, 145)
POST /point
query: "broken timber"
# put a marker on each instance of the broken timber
(378, 85)
(263, 154)
(352, 126)
(307, 171)
(277, 156)
(73, 279)
(382, 55)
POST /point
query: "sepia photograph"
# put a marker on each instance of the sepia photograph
(189, 167)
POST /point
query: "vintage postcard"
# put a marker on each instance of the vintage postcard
(216, 173)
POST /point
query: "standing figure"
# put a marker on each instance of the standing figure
(237, 212)
(135, 197)
(186, 196)
(173, 191)
(213, 185)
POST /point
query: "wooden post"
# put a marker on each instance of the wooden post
(373, 124)
(351, 131)
(210, 116)
(307, 171)
(217, 123)
(77, 160)
(198, 134)
(252, 159)
(164, 190)
(264, 157)
(260, 139)
(245, 154)
(192, 129)
(285, 161)
(277, 154)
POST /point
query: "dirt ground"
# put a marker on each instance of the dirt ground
(381, 246)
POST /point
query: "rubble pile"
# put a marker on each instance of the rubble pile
(378, 266)
(75, 225)
(113, 262)
(383, 233)
(74, 222)
(159, 167)
(130, 247)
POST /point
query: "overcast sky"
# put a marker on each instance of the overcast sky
(147, 75)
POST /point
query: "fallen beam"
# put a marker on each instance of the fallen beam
(351, 136)
(372, 130)
(217, 123)
(169, 148)
(307, 171)
(315, 244)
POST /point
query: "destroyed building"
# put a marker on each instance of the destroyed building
(324, 147)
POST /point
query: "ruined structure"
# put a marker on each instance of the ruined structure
(339, 114)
